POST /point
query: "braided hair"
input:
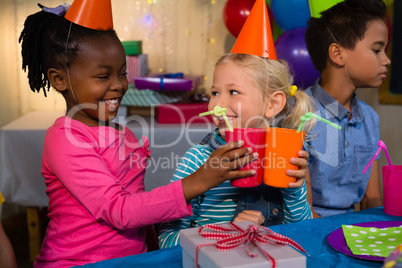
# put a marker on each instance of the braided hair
(44, 45)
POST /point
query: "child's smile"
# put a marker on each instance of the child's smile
(111, 104)
(98, 81)
(222, 123)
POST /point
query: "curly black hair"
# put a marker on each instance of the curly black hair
(44, 45)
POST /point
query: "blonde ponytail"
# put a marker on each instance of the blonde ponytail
(299, 107)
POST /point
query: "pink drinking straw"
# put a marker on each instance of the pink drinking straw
(381, 145)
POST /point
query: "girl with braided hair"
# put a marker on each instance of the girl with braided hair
(94, 168)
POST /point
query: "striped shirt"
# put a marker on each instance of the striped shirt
(218, 205)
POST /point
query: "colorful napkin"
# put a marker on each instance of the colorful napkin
(372, 241)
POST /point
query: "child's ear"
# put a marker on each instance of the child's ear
(57, 79)
(335, 54)
(275, 104)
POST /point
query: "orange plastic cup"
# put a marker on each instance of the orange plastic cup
(281, 145)
(392, 189)
(254, 138)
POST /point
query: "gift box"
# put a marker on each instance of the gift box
(132, 48)
(177, 113)
(168, 82)
(137, 66)
(148, 98)
(209, 256)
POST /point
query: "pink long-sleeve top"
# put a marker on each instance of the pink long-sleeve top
(98, 208)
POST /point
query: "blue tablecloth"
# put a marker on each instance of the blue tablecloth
(311, 234)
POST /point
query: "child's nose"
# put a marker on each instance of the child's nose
(222, 101)
(118, 82)
(387, 60)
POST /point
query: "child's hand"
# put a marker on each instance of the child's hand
(224, 162)
(301, 173)
(221, 165)
(250, 215)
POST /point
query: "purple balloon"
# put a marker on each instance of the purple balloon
(290, 46)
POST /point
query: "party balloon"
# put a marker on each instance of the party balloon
(235, 14)
(389, 26)
(290, 46)
(276, 30)
(290, 14)
(318, 6)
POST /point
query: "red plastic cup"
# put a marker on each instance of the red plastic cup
(254, 138)
(281, 145)
(392, 189)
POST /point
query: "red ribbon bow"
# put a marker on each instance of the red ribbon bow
(231, 236)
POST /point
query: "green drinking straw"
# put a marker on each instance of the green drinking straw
(311, 115)
(219, 111)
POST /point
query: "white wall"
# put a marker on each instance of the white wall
(9, 88)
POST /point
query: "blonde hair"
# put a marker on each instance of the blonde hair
(270, 76)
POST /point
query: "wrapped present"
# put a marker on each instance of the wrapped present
(168, 82)
(137, 66)
(177, 113)
(148, 98)
(132, 48)
(238, 245)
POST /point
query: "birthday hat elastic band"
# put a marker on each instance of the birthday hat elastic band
(93, 14)
(256, 35)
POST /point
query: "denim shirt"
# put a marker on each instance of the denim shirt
(337, 157)
(266, 199)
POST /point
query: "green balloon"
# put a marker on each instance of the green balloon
(318, 6)
(277, 31)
